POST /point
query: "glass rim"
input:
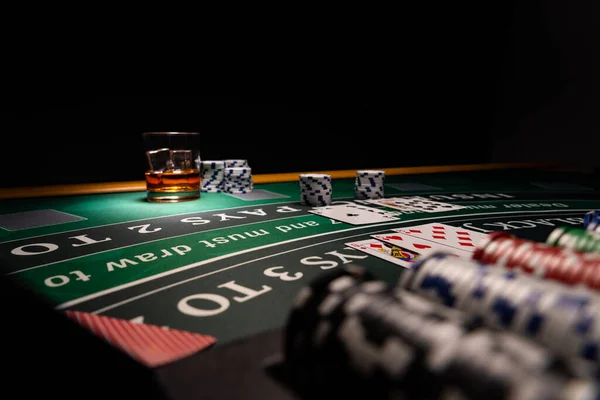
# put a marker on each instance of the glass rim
(170, 133)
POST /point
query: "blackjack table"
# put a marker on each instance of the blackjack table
(226, 269)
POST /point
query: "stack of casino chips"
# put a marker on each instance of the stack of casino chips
(369, 184)
(591, 221)
(350, 334)
(238, 180)
(213, 176)
(566, 319)
(315, 190)
(575, 239)
(542, 260)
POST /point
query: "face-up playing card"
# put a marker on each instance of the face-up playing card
(394, 254)
(355, 214)
(418, 245)
(420, 204)
(457, 238)
(390, 203)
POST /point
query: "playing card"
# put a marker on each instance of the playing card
(151, 345)
(458, 238)
(355, 214)
(394, 254)
(422, 246)
(420, 204)
(391, 204)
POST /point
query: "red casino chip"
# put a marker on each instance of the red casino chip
(528, 260)
(539, 259)
(548, 264)
(568, 267)
(521, 252)
(592, 277)
(552, 265)
(591, 257)
(490, 249)
(531, 260)
(595, 263)
(502, 253)
(490, 238)
(578, 273)
(586, 274)
(495, 250)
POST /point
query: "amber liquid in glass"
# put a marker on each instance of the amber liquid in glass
(173, 185)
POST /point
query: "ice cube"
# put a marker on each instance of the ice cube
(182, 159)
(159, 159)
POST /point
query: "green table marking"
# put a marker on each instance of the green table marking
(229, 266)
(84, 276)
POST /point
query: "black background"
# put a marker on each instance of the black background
(498, 84)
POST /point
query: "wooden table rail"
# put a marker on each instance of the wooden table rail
(140, 186)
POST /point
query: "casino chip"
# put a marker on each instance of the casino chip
(369, 184)
(575, 239)
(315, 190)
(564, 318)
(238, 180)
(236, 164)
(345, 331)
(591, 219)
(304, 320)
(557, 259)
(486, 364)
(213, 176)
(349, 334)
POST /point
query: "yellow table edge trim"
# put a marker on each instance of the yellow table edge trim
(140, 186)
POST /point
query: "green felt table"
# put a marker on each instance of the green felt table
(231, 267)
